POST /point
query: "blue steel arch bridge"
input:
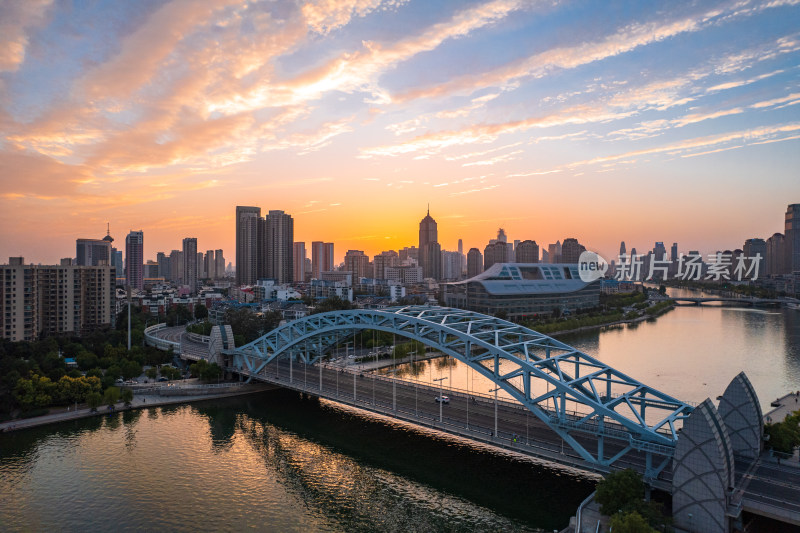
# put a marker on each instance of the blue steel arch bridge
(582, 399)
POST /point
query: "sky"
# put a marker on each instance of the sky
(605, 121)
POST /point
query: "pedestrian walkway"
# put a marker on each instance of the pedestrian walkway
(140, 401)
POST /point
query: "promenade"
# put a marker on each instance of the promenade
(143, 398)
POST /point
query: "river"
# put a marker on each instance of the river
(278, 462)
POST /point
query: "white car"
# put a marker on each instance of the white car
(443, 399)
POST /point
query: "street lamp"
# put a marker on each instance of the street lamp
(441, 400)
(495, 410)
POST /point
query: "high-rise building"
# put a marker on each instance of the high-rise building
(163, 265)
(752, 248)
(776, 256)
(190, 263)
(496, 252)
(527, 252)
(622, 249)
(210, 265)
(117, 263)
(176, 266)
(545, 256)
(460, 246)
(452, 265)
(93, 252)
(385, 259)
(219, 264)
(247, 244)
(474, 262)
(554, 251)
(792, 238)
(409, 253)
(278, 247)
(430, 252)
(321, 258)
(673, 253)
(134, 259)
(659, 251)
(571, 250)
(299, 261)
(53, 299)
(357, 262)
(201, 266)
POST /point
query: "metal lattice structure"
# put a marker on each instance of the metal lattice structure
(576, 395)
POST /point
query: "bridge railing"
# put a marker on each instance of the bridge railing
(529, 445)
(151, 339)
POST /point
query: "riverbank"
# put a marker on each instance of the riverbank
(149, 398)
(636, 320)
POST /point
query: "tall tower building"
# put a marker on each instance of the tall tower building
(134, 259)
(554, 251)
(278, 246)
(321, 258)
(382, 261)
(93, 252)
(460, 246)
(474, 262)
(792, 238)
(571, 250)
(299, 261)
(190, 263)
(497, 252)
(430, 252)
(527, 252)
(211, 265)
(357, 262)
(776, 255)
(247, 244)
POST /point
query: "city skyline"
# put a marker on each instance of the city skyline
(602, 123)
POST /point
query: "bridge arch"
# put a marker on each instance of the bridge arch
(572, 392)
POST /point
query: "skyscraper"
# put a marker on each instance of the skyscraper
(357, 262)
(93, 252)
(571, 250)
(134, 259)
(190, 263)
(776, 255)
(247, 244)
(211, 265)
(299, 259)
(383, 260)
(430, 252)
(752, 248)
(474, 262)
(792, 238)
(321, 258)
(497, 252)
(219, 264)
(278, 246)
(554, 251)
(527, 252)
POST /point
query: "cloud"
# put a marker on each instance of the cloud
(324, 16)
(624, 40)
(16, 17)
(358, 71)
(143, 51)
(484, 133)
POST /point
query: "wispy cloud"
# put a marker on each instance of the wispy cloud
(16, 18)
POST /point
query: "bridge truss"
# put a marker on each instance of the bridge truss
(575, 394)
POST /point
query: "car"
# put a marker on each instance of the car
(162, 379)
(443, 399)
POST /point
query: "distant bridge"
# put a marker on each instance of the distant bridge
(735, 301)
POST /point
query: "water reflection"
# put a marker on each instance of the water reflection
(274, 462)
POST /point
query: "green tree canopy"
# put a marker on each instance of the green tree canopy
(619, 490)
(631, 522)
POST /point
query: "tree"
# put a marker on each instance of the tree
(619, 489)
(93, 400)
(111, 396)
(126, 396)
(131, 369)
(631, 522)
(151, 372)
(200, 312)
(212, 372)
